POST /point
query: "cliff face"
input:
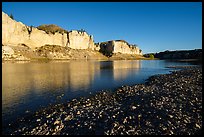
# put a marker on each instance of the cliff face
(80, 40)
(119, 46)
(53, 42)
(124, 47)
(15, 33)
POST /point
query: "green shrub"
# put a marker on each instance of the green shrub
(51, 29)
(151, 56)
(11, 16)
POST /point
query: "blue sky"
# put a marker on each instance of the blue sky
(153, 26)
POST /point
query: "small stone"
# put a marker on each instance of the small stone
(88, 104)
(56, 122)
(57, 127)
(164, 128)
(185, 121)
(170, 116)
(134, 107)
(48, 116)
(125, 121)
(69, 117)
(62, 126)
(171, 132)
(75, 107)
(197, 126)
(78, 113)
(27, 111)
(115, 124)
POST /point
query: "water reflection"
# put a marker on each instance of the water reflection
(81, 75)
(28, 85)
(123, 68)
(21, 80)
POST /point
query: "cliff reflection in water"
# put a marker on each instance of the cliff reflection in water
(26, 86)
(32, 85)
(121, 69)
(22, 81)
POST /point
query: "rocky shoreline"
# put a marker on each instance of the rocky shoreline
(169, 104)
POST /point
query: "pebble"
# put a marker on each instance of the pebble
(56, 122)
(171, 116)
(69, 117)
(197, 126)
(78, 112)
(48, 116)
(133, 107)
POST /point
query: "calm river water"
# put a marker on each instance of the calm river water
(33, 85)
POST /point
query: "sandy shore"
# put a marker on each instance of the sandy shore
(165, 105)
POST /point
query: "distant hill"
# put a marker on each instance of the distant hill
(51, 28)
(178, 54)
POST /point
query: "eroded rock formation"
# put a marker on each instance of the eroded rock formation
(14, 33)
(119, 46)
(80, 40)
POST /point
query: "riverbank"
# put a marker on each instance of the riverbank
(55, 52)
(164, 105)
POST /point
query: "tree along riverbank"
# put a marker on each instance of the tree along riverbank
(166, 104)
(178, 54)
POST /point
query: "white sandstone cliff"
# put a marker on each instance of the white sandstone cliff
(15, 33)
(124, 47)
(80, 40)
(119, 46)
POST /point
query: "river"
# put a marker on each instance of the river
(29, 86)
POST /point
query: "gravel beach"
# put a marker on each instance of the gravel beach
(167, 104)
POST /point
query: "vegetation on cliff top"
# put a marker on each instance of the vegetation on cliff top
(11, 16)
(52, 29)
